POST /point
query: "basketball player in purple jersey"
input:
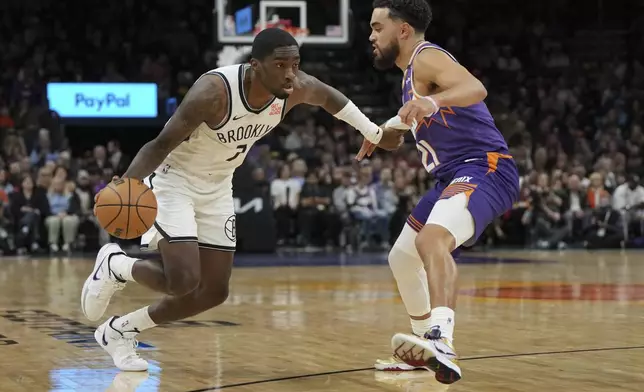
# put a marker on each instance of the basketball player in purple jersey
(477, 180)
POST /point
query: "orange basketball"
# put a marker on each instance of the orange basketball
(126, 208)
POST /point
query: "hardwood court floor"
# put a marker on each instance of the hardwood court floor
(526, 322)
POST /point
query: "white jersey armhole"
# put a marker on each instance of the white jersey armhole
(229, 97)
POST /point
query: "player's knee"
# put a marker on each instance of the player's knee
(217, 295)
(184, 281)
(449, 225)
(404, 260)
(210, 294)
(434, 239)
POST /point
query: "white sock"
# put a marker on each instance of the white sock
(121, 266)
(420, 326)
(134, 322)
(443, 317)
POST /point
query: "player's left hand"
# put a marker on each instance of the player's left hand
(417, 109)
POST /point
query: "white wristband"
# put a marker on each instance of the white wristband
(354, 117)
(396, 123)
(433, 101)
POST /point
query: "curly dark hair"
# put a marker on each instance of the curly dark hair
(415, 12)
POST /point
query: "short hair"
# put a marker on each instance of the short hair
(270, 39)
(415, 12)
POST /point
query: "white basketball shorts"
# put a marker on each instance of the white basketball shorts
(192, 210)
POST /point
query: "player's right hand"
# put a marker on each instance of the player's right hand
(366, 149)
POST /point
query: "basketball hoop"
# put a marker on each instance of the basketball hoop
(299, 33)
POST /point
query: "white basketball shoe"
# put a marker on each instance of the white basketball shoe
(394, 364)
(101, 284)
(432, 352)
(121, 345)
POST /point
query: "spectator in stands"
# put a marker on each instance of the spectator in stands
(5, 186)
(44, 178)
(14, 147)
(574, 207)
(7, 237)
(66, 162)
(5, 118)
(118, 160)
(98, 161)
(299, 169)
(285, 193)
(597, 196)
(316, 221)
(60, 173)
(29, 206)
(606, 229)
(97, 178)
(42, 151)
(90, 232)
(548, 226)
(387, 199)
(406, 202)
(64, 207)
(363, 206)
(604, 166)
(15, 175)
(629, 200)
(340, 194)
(259, 180)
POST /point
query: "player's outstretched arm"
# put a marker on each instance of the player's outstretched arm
(311, 91)
(206, 100)
(456, 86)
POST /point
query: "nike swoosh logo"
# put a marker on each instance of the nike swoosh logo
(96, 277)
(238, 117)
(103, 338)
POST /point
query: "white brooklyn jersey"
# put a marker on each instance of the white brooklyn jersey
(212, 153)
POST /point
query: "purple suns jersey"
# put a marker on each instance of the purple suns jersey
(454, 134)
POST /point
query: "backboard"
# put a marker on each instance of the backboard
(316, 22)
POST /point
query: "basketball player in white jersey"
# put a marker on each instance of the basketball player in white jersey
(189, 167)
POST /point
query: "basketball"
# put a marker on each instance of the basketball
(126, 208)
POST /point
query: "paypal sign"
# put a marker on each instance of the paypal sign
(103, 100)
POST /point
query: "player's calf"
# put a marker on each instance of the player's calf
(212, 289)
(434, 244)
(181, 267)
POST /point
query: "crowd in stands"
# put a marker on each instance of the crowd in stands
(47, 197)
(573, 125)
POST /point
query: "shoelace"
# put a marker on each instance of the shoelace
(131, 342)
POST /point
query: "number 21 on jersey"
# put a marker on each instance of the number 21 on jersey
(427, 155)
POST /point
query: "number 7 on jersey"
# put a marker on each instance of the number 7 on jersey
(240, 150)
